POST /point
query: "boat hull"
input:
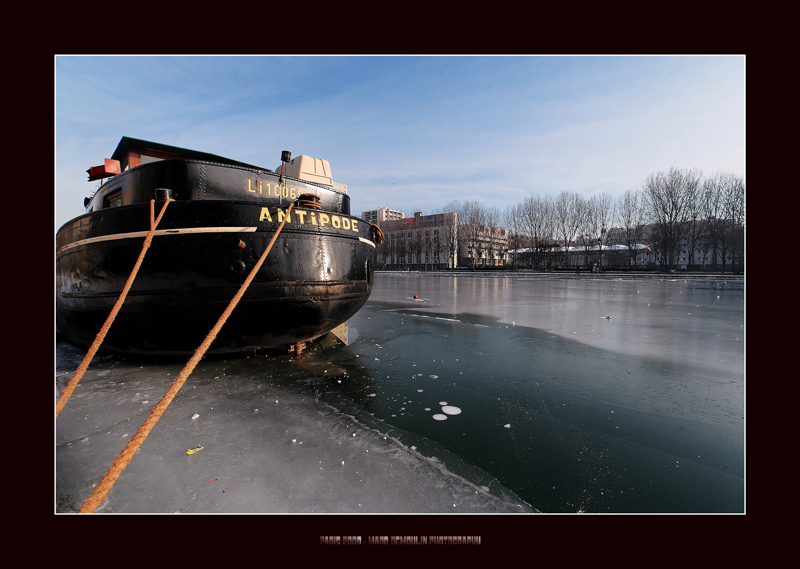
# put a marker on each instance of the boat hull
(318, 274)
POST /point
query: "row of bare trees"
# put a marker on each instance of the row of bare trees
(696, 217)
(675, 213)
(480, 232)
(680, 215)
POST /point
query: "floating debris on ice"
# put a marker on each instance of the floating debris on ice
(195, 416)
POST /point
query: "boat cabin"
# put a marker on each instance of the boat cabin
(131, 153)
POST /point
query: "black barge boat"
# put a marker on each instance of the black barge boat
(318, 274)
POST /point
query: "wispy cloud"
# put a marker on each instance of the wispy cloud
(412, 132)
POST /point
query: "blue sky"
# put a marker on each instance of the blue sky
(412, 132)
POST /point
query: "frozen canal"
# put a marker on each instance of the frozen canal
(489, 393)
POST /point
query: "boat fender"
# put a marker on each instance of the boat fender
(376, 234)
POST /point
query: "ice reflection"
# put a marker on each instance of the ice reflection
(571, 392)
(667, 318)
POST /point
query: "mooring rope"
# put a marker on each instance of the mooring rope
(121, 462)
(87, 359)
(376, 234)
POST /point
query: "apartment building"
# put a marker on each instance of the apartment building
(422, 242)
(381, 214)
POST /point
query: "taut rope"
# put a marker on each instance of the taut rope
(122, 460)
(87, 359)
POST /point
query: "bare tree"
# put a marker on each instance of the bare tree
(736, 206)
(668, 197)
(604, 210)
(631, 215)
(597, 214)
(588, 229)
(401, 249)
(471, 220)
(449, 234)
(491, 233)
(384, 253)
(538, 220)
(712, 208)
(694, 226)
(568, 218)
(416, 247)
(723, 207)
(512, 219)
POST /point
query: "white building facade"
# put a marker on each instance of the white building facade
(381, 214)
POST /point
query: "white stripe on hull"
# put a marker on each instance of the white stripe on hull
(141, 234)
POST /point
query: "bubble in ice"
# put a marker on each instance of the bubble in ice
(450, 410)
(440, 417)
(442, 402)
(434, 376)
